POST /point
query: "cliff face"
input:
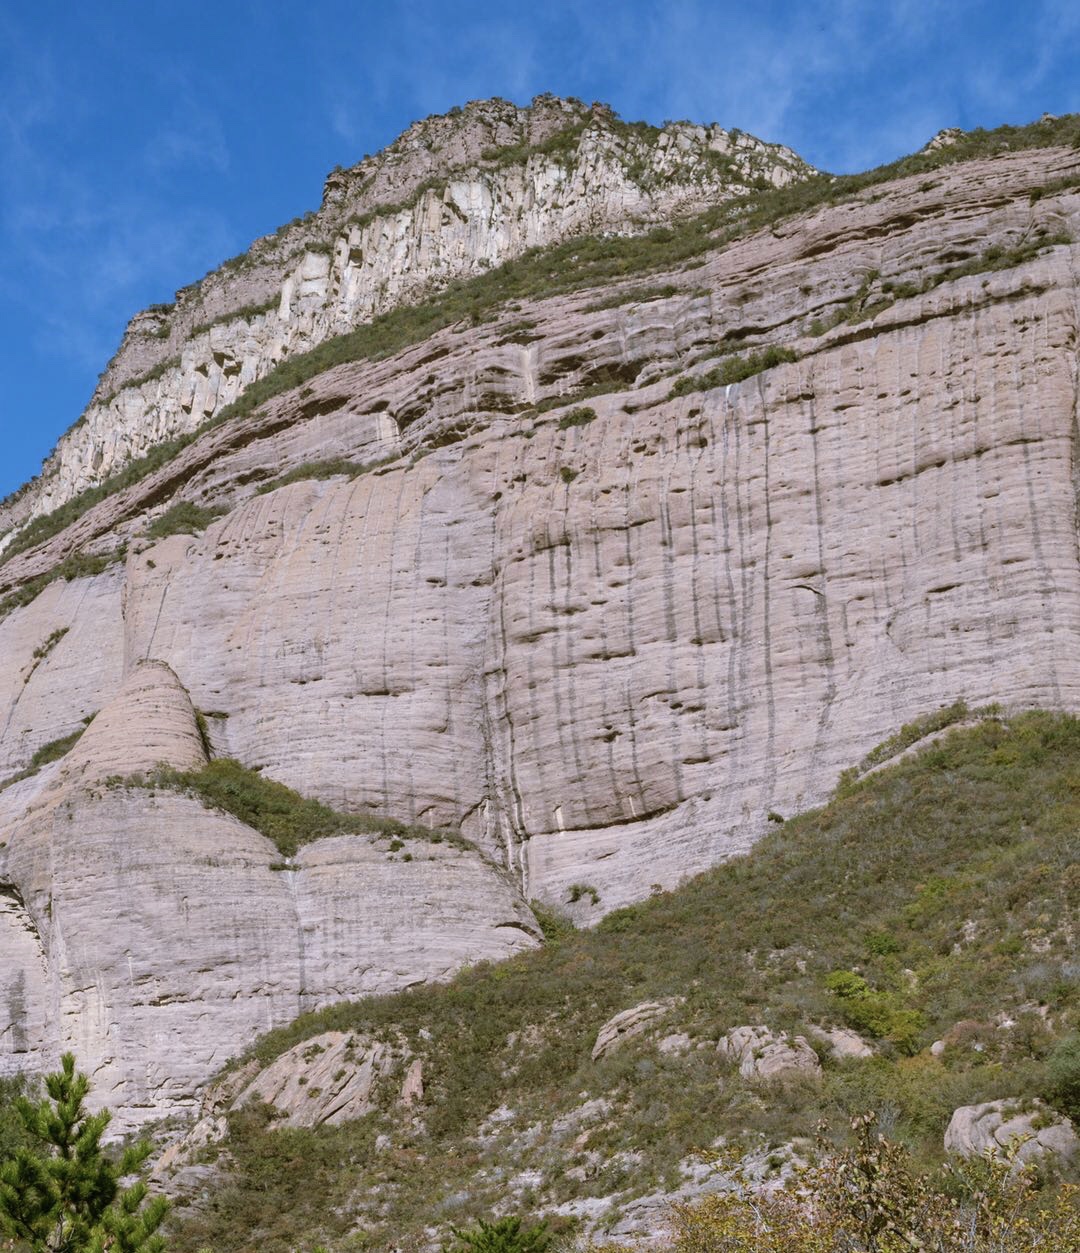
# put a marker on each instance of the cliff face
(156, 938)
(452, 197)
(598, 608)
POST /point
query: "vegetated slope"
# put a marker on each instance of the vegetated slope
(947, 883)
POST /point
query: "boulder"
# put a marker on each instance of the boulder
(991, 1127)
(628, 1023)
(843, 1044)
(763, 1054)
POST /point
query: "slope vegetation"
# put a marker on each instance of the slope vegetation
(934, 899)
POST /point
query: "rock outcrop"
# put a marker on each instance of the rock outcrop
(570, 594)
(768, 1055)
(452, 197)
(155, 937)
(1027, 1128)
(629, 1023)
(844, 1044)
(329, 1079)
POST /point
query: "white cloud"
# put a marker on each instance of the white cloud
(192, 137)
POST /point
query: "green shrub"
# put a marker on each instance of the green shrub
(734, 369)
(581, 416)
(874, 1012)
(183, 518)
(505, 1235)
(55, 749)
(1063, 1077)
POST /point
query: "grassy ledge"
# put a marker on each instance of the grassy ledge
(278, 812)
(48, 753)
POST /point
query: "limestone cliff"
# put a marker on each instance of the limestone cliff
(155, 938)
(579, 582)
(452, 197)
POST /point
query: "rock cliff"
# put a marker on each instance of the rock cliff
(155, 938)
(579, 576)
(452, 197)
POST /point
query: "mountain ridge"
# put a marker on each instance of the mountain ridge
(600, 571)
(468, 189)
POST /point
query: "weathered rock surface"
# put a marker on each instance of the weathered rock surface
(605, 651)
(844, 1044)
(155, 938)
(330, 1078)
(444, 201)
(763, 1054)
(629, 1023)
(977, 1129)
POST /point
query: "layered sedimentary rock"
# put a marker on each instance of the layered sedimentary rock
(155, 938)
(605, 633)
(451, 198)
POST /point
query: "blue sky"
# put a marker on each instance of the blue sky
(141, 144)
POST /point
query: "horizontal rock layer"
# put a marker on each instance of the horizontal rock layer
(454, 196)
(607, 648)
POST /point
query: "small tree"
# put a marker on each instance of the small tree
(505, 1235)
(63, 1194)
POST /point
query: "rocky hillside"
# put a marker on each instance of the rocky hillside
(452, 197)
(600, 560)
(909, 948)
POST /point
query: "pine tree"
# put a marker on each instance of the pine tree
(63, 1194)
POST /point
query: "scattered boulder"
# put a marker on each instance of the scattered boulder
(763, 1054)
(993, 1126)
(675, 1045)
(843, 1044)
(628, 1023)
(412, 1090)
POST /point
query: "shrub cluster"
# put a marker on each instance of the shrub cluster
(280, 813)
(183, 518)
(734, 369)
(940, 886)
